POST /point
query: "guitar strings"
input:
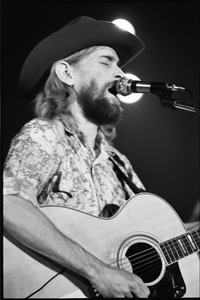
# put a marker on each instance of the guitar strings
(146, 269)
(150, 251)
(137, 265)
(141, 266)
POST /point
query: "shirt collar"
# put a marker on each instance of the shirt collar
(69, 128)
(101, 141)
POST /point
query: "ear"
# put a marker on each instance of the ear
(64, 72)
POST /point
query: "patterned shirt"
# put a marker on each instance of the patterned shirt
(48, 163)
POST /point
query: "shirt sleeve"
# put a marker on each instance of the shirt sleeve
(30, 161)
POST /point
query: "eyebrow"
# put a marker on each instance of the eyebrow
(111, 58)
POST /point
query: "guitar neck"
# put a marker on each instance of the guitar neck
(181, 246)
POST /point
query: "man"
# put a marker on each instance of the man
(71, 71)
(64, 157)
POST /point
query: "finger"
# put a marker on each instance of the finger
(145, 289)
(140, 291)
(128, 295)
(142, 285)
(139, 294)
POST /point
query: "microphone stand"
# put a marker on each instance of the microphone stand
(168, 101)
(186, 107)
(173, 103)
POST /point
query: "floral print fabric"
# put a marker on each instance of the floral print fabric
(50, 164)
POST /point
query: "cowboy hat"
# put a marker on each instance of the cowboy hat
(82, 32)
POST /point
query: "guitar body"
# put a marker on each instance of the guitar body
(145, 221)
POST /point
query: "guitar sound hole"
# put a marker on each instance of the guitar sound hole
(145, 261)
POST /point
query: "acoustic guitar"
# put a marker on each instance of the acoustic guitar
(146, 236)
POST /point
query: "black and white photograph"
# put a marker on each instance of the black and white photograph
(100, 149)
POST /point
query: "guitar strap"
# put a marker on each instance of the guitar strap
(110, 209)
(123, 177)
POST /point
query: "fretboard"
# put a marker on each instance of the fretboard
(181, 246)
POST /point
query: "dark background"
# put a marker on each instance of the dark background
(162, 143)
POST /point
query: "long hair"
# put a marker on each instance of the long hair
(55, 97)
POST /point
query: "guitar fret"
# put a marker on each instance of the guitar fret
(170, 252)
(195, 236)
(191, 241)
(165, 252)
(173, 249)
(187, 243)
(178, 248)
(198, 232)
(182, 247)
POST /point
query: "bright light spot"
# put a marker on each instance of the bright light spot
(124, 24)
(132, 98)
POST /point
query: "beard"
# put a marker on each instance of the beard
(97, 108)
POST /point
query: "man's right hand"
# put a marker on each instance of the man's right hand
(117, 283)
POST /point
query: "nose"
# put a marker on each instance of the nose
(119, 73)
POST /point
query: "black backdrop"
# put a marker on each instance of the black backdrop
(162, 143)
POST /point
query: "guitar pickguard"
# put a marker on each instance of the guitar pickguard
(170, 286)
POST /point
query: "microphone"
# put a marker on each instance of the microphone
(126, 86)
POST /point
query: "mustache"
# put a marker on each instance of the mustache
(96, 105)
(107, 86)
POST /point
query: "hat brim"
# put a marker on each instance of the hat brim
(79, 34)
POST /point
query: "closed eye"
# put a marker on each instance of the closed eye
(107, 59)
(104, 63)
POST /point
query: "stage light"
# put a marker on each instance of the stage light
(132, 98)
(124, 24)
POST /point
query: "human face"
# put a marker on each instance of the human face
(94, 75)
